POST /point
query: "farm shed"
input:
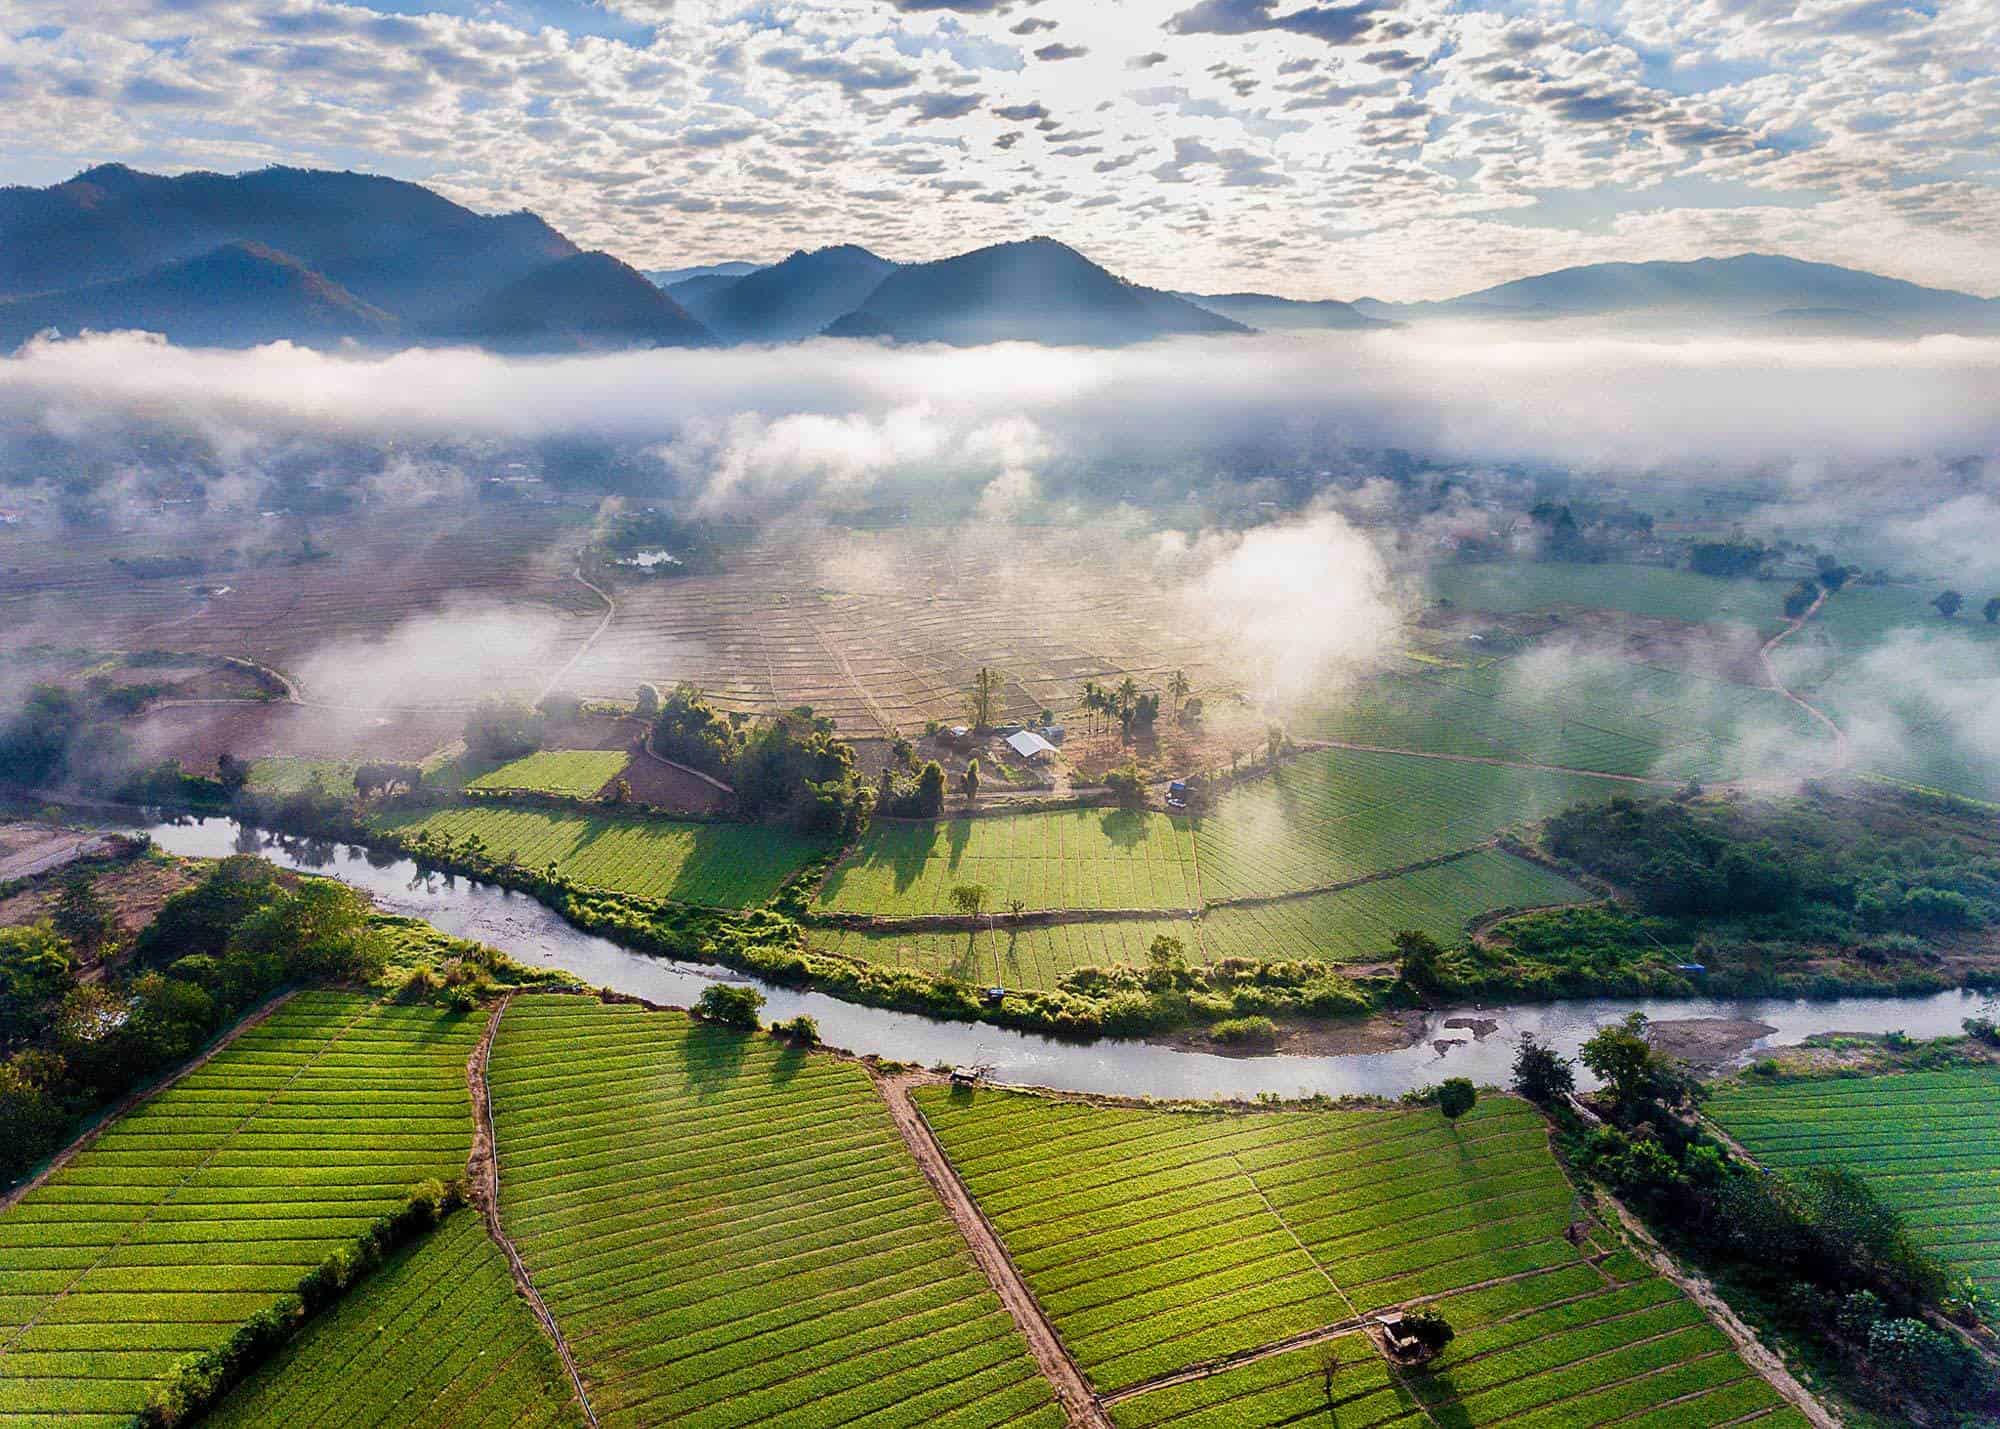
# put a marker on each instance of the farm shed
(1029, 745)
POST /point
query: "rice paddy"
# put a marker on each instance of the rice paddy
(722, 865)
(1507, 587)
(731, 1232)
(209, 1202)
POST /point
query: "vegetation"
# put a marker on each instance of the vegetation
(213, 1203)
(569, 773)
(755, 1209)
(503, 729)
(730, 1005)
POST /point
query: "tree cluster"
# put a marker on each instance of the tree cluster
(503, 729)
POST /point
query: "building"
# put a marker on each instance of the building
(1030, 745)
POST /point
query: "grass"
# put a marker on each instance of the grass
(1335, 815)
(1157, 1240)
(283, 776)
(731, 1232)
(1929, 1143)
(573, 773)
(1509, 587)
(209, 1202)
(437, 1336)
(723, 865)
(1073, 858)
(1603, 715)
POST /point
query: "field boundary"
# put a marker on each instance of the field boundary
(482, 1175)
(131, 1101)
(1080, 1405)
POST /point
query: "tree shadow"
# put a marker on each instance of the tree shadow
(966, 965)
(957, 834)
(1124, 829)
(713, 1057)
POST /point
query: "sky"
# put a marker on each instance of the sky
(1397, 149)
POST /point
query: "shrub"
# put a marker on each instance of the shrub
(1245, 1031)
(1542, 1074)
(1456, 1096)
(801, 1029)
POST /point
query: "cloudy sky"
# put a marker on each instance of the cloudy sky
(1392, 148)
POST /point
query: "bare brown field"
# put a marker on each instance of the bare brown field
(135, 889)
(198, 734)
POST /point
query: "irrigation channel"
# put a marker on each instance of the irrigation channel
(534, 935)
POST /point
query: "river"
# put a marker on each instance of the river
(534, 935)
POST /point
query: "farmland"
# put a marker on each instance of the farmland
(1510, 586)
(1073, 858)
(1156, 1240)
(286, 775)
(1929, 1142)
(722, 865)
(1022, 957)
(573, 773)
(209, 1202)
(436, 1336)
(1360, 923)
(1335, 815)
(729, 1229)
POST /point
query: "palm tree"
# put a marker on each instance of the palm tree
(1178, 688)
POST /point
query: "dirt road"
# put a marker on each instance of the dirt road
(1072, 1390)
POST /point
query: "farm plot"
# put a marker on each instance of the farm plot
(1157, 1240)
(1507, 587)
(573, 773)
(1071, 858)
(437, 1336)
(1032, 957)
(1334, 815)
(1356, 924)
(731, 1232)
(1929, 1143)
(1603, 715)
(724, 865)
(209, 1202)
(286, 775)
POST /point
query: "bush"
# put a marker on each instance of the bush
(801, 1029)
(1245, 1031)
(731, 1005)
(1542, 1074)
(502, 729)
(1456, 1096)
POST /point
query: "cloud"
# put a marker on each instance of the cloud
(855, 76)
(1335, 24)
(1060, 51)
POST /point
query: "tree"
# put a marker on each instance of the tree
(619, 793)
(34, 975)
(986, 686)
(647, 705)
(1800, 598)
(1431, 1331)
(502, 729)
(1422, 960)
(1178, 689)
(1274, 742)
(1541, 1074)
(1635, 1073)
(731, 1005)
(1991, 610)
(801, 1029)
(1329, 1367)
(930, 790)
(1456, 1096)
(1832, 574)
(970, 783)
(82, 916)
(969, 898)
(1016, 907)
(231, 773)
(1949, 604)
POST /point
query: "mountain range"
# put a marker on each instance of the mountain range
(325, 258)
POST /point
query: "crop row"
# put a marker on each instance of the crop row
(723, 865)
(207, 1203)
(730, 1230)
(1334, 815)
(1011, 956)
(1155, 1240)
(1929, 1142)
(1072, 858)
(575, 773)
(435, 1337)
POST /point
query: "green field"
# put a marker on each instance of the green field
(1073, 858)
(1334, 815)
(725, 865)
(1157, 1240)
(1032, 957)
(1509, 587)
(574, 773)
(209, 1202)
(1360, 924)
(1603, 715)
(730, 1230)
(1929, 1142)
(436, 1337)
(284, 776)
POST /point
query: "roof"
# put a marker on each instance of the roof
(1028, 744)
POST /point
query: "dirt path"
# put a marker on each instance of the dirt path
(1072, 1390)
(1842, 753)
(646, 752)
(1493, 760)
(131, 1100)
(482, 1179)
(603, 624)
(34, 862)
(1724, 1319)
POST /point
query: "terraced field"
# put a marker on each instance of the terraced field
(1157, 1240)
(437, 1336)
(207, 1203)
(724, 865)
(1929, 1142)
(1359, 924)
(573, 773)
(729, 1229)
(1072, 858)
(1334, 815)
(1606, 716)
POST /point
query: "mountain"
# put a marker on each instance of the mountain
(1749, 288)
(589, 301)
(238, 295)
(1262, 310)
(734, 268)
(1034, 291)
(789, 301)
